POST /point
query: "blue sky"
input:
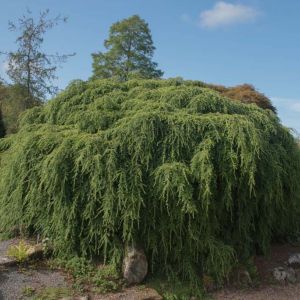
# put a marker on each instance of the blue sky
(224, 42)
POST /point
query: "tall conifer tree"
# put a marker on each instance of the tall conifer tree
(129, 52)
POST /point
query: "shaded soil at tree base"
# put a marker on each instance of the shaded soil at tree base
(268, 288)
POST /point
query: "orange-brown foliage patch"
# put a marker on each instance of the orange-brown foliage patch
(246, 93)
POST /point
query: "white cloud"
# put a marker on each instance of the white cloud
(224, 14)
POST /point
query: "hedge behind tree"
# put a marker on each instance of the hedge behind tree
(2, 127)
(195, 178)
(244, 93)
(13, 102)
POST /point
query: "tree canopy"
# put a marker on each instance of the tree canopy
(192, 176)
(129, 52)
(12, 104)
(31, 71)
(29, 66)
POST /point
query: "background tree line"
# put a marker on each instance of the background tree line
(130, 50)
(32, 72)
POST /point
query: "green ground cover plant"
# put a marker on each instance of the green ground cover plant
(19, 251)
(51, 293)
(84, 273)
(197, 179)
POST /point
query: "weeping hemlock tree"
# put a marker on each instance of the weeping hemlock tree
(195, 178)
(129, 52)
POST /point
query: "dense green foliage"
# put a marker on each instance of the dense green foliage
(129, 52)
(192, 176)
(84, 273)
(2, 127)
(14, 101)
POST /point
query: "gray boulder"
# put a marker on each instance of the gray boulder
(135, 265)
(294, 260)
(284, 274)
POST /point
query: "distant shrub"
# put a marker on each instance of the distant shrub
(245, 93)
(195, 178)
(12, 105)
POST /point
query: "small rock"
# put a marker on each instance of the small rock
(282, 274)
(244, 278)
(279, 274)
(35, 251)
(291, 275)
(294, 260)
(6, 261)
(135, 265)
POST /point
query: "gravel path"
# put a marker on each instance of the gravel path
(13, 281)
(4, 245)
